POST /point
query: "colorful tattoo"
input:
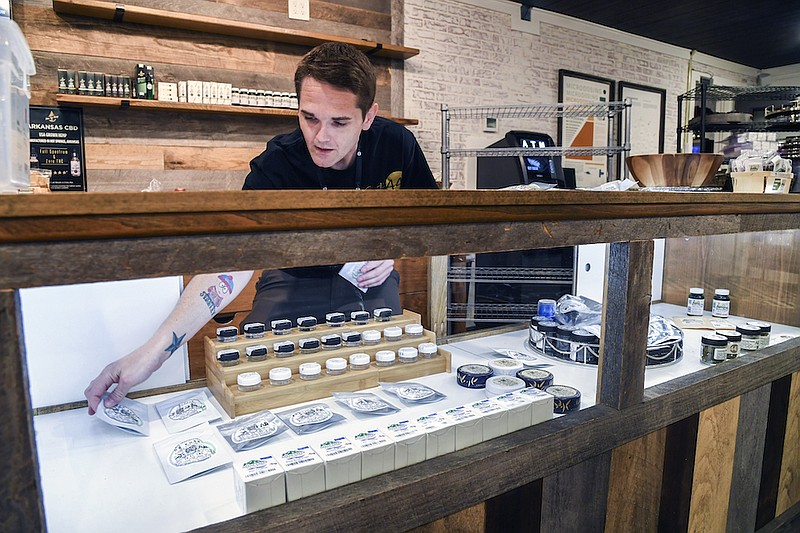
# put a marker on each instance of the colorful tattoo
(176, 343)
(214, 294)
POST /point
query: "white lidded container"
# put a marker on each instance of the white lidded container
(16, 68)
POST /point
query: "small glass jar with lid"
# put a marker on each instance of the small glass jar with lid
(335, 320)
(228, 357)
(414, 330)
(714, 349)
(248, 381)
(351, 338)
(751, 336)
(336, 366)
(307, 323)
(407, 354)
(696, 302)
(371, 337)
(734, 342)
(331, 342)
(382, 314)
(359, 318)
(721, 303)
(310, 371)
(392, 333)
(764, 336)
(384, 358)
(359, 361)
(283, 349)
(428, 350)
(257, 352)
(309, 345)
(254, 330)
(227, 334)
(280, 376)
(281, 326)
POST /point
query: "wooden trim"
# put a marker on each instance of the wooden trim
(773, 441)
(574, 499)
(516, 511)
(189, 21)
(158, 105)
(677, 474)
(743, 502)
(626, 315)
(789, 483)
(21, 507)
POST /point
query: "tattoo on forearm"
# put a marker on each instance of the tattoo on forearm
(176, 343)
(213, 295)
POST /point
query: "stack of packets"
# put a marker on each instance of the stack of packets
(195, 447)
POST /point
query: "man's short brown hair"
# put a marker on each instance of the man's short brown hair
(340, 65)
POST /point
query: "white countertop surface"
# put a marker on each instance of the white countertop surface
(96, 477)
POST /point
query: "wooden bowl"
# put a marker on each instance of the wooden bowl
(674, 170)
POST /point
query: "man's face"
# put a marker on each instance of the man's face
(331, 123)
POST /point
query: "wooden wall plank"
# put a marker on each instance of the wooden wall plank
(623, 341)
(678, 471)
(713, 468)
(752, 427)
(574, 499)
(517, 511)
(470, 520)
(773, 441)
(20, 486)
(789, 484)
(634, 489)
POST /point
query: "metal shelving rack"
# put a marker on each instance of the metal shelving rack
(705, 93)
(539, 111)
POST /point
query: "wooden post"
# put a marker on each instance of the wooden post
(626, 316)
(20, 488)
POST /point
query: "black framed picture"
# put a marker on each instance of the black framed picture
(584, 131)
(648, 118)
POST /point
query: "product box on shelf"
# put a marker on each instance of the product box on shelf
(342, 461)
(440, 433)
(469, 426)
(305, 472)
(377, 452)
(762, 182)
(495, 417)
(259, 482)
(409, 442)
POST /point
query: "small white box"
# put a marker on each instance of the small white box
(440, 432)
(226, 99)
(182, 91)
(195, 88)
(542, 408)
(409, 443)
(495, 418)
(519, 409)
(377, 452)
(342, 461)
(205, 94)
(167, 92)
(260, 482)
(469, 426)
(305, 472)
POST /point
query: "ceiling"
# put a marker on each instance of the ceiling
(761, 35)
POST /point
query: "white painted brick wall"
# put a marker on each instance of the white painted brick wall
(471, 56)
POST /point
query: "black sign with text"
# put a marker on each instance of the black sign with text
(57, 145)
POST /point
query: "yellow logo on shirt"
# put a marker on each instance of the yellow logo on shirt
(392, 181)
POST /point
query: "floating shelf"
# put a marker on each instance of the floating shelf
(120, 12)
(158, 105)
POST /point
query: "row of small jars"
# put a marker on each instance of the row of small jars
(284, 326)
(262, 98)
(564, 341)
(333, 341)
(723, 345)
(251, 381)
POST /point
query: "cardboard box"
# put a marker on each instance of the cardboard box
(762, 182)
(409, 442)
(260, 482)
(469, 426)
(342, 461)
(305, 472)
(495, 418)
(440, 434)
(377, 452)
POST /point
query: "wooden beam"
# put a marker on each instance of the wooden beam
(626, 315)
(789, 484)
(773, 441)
(574, 499)
(20, 487)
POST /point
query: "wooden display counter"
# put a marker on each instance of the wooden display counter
(704, 452)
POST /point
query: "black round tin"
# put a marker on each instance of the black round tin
(536, 377)
(473, 376)
(565, 398)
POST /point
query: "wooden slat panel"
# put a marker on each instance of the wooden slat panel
(634, 489)
(142, 157)
(676, 484)
(756, 267)
(470, 520)
(750, 435)
(20, 488)
(574, 499)
(118, 156)
(623, 341)
(773, 441)
(713, 468)
(516, 511)
(789, 485)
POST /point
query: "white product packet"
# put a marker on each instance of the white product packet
(186, 411)
(351, 271)
(191, 453)
(128, 415)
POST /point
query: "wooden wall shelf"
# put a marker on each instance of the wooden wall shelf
(158, 105)
(187, 21)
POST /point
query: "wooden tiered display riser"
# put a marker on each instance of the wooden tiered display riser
(222, 379)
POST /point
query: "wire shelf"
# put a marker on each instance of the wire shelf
(537, 110)
(720, 92)
(510, 274)
(490, 312)
(555, 151)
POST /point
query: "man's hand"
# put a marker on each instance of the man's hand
(126, 372)
(374, 273)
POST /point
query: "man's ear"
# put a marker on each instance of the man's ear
(371, 113)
